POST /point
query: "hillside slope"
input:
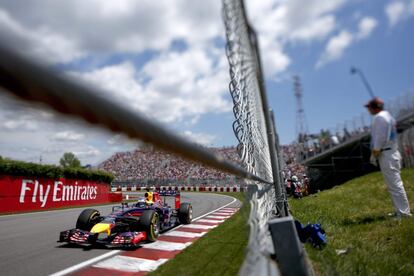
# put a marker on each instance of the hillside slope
(362, 239)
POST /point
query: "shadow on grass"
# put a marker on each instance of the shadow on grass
(363, 220)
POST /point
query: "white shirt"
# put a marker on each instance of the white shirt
(383, 131)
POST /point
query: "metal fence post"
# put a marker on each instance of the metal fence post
(270, 129)
(290, 254)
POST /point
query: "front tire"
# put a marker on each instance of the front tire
(149, 220)
(185, 213)
(87, 219)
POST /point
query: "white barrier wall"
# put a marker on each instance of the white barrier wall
(135, 188)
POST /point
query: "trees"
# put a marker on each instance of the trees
(69, 160)
(27, 169)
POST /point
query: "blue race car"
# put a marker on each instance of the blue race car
(129, 224)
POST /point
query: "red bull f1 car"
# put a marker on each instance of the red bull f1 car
(129, 224)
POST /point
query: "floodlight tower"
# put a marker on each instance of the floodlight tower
(355, 70)
(302, 132)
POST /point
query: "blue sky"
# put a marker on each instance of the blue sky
(166, 59)
(331, 95)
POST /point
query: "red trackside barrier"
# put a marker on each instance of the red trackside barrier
(19, 193)
(115, 197)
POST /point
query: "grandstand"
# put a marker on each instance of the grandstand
(148, 164)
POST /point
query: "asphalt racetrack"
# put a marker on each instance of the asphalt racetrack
(29, 241)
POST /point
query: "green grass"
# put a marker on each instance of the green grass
(220, 252)
(354, 216)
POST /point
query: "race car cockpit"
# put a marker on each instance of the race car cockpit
(141, 203)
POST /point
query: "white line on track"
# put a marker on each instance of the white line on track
(109, 254)
(86, 263)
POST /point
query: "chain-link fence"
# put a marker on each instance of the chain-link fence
(252, 126)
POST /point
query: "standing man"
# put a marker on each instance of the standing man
(384, 148)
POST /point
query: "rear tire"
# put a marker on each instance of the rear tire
(149, 221)
(185, 213)
(87, 219)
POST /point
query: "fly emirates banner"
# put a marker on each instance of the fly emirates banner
(28, 194)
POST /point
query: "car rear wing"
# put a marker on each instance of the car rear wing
(168, 192)
(173, 193)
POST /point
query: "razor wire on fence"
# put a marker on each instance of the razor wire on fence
(255, 132)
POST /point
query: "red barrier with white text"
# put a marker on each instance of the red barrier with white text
(30, 193)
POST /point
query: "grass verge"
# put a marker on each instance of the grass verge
(354, 216)
(220, 252)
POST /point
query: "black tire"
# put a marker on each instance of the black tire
(185, 213)
(87, 219)
(149, 221)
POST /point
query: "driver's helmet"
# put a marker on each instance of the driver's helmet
(149, 198)
(141, 202)
(295, 178)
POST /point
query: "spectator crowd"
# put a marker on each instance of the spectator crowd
(294, 173)
(147, 163)
(154, 164)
